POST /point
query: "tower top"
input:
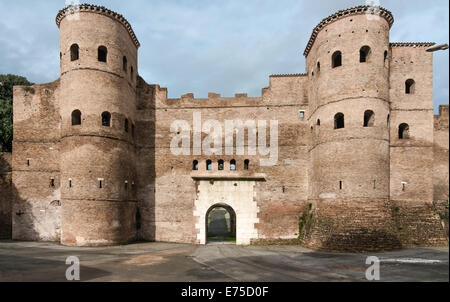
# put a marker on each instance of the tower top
(358, 10)
(89, 8)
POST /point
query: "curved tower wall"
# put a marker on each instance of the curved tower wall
(95, 214)
(349, 176)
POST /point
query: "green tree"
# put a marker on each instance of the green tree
(6, 108)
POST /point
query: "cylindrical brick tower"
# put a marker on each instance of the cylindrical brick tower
(97, 100)
(347, 62)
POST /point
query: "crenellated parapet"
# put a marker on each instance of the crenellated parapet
(70, 10)
(359, 10)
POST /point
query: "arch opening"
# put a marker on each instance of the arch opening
(336, 59)
(339, 121)
(364, 53)
(403, 131)
(74, 52)
(76, 118)
(369, 118)
(106, 119)
(102, 54)
(220, 224)
(410, 86)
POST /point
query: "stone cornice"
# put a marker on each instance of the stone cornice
(412, 44)
(359, 10)
(71, 9)
(287, 75)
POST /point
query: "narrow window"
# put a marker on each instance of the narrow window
(221, 165)
(102, 54)
(409, 86)
(100, 183)
(52, 182)
(336, 59)
(339, 121)
(76, 118)
(404, 186)
(364, 53)
(302, 115)
(195, 165)
(125, 64)
(318, 66)
(369, 118)
(385, 55)
(126, 184)
(28, 162)
(133, 129)
(388, 119)
(318, 122)
(209, 165)
(246, 164)
(126, 125)
(233, 165)
(70, 183)
(403, 131)
(74, 52)
(132, 74)
(106, 119)
(341, 185)
(374, 184)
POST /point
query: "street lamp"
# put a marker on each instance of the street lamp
(437, 47)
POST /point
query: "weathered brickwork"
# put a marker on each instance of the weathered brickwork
(5, 196)
(92, 162)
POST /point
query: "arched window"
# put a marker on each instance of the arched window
(106, 119)
(209, 165)
(364, 53)
(339, 121)
(318, 66)
(233, 165)
(76, 118)
(409, 86)
(403, 131)
(246, 164)
(74, 52)
(126, 125)
(125, 64)
(318, 122)
(369, 118)
(221, 165)
(385, 55)
(102, 54)
(195, 165)
(336, 59)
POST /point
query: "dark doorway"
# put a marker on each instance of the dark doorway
(221, 224)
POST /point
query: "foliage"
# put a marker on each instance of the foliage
(6, 108)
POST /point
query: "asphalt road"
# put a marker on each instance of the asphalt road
(164, 262)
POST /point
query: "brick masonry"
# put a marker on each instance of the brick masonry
(356, 188)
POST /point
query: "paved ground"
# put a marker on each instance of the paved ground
(27, 261)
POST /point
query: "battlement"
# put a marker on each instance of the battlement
(412, 44)
(89, 8)
(359, 10)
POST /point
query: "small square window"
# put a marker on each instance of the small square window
(302, 115)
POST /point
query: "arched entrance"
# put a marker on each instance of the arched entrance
(221, 224)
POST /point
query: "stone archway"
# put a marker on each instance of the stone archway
(220, 224)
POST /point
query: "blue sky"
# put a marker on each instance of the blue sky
(222, 46)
